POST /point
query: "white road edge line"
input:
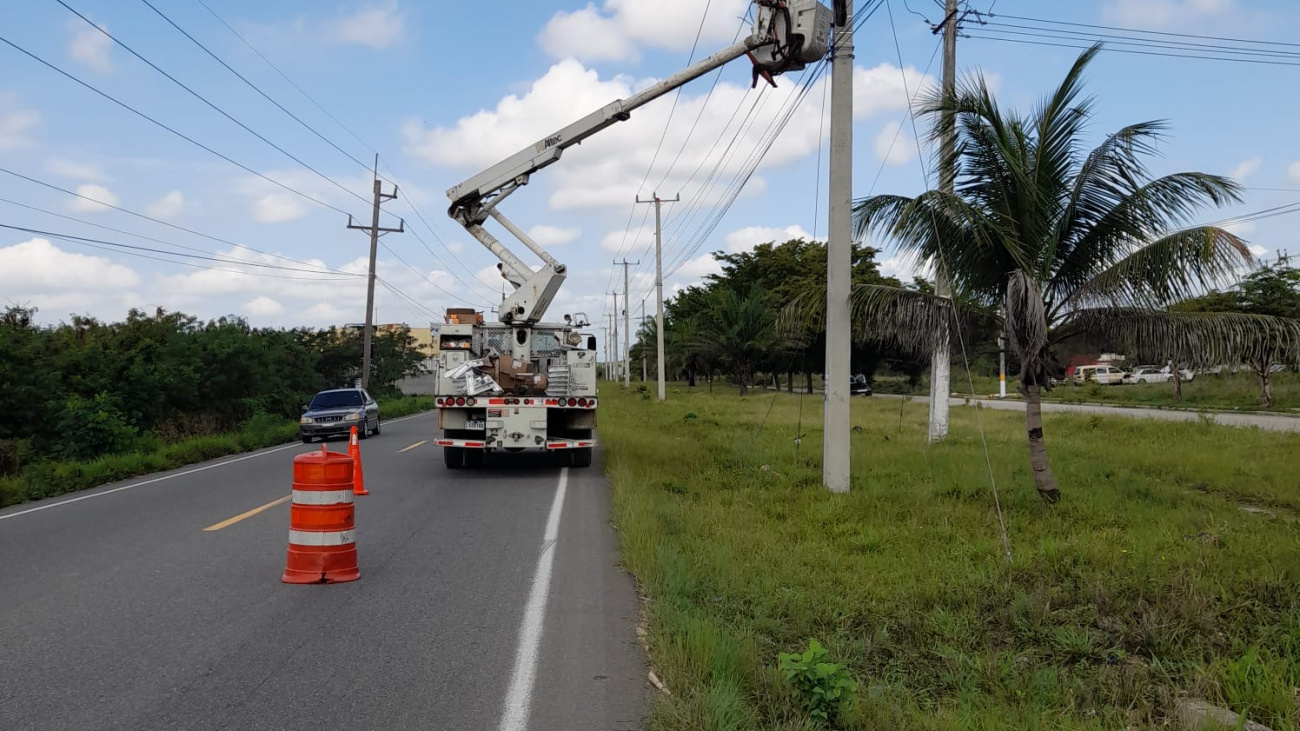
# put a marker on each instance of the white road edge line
(61, 503)
(519, 696)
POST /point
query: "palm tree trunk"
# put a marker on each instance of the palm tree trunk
(1044, 481)
(690, 376)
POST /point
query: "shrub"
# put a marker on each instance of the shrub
(89, 427)
(265, 430)
(12, 491)
(821, 688)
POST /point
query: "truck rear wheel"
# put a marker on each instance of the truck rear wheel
(582, 457)
(475, 458)
(453, 457)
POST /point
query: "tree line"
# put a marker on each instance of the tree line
(84, 388)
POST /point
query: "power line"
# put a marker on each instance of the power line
(213, 256)
(1125, 50)
(159, 221)
(277, 70)
(1111, 42)
(1138, 30)
(410, 204)
(172, 130)
(214, 107)
(1140, 41)
(421, 275)
(253, 86)
(130, 250)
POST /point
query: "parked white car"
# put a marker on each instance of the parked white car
(1105, 375)
(1148, 374)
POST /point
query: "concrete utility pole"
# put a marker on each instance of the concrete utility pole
(839, 257)
(659, 284)
(642, 327)
(940, 367)
(627, 325)
(375, 230)
(613, 347)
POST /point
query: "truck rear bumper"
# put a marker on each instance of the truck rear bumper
(551, 444)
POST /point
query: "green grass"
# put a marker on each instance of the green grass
(1238, 391)
(53, 478)
(1146, 581)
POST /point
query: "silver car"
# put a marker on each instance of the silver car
(334, 413)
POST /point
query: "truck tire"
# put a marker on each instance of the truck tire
(453, 457)
(582, 457)
(475, 458)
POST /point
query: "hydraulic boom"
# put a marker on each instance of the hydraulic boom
(787, 35)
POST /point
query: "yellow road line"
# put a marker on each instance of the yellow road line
(413, 446)
(231, 521)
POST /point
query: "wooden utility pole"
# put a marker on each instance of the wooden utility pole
(659, 283)
(940, 365)
(375, 230)
(839, 258)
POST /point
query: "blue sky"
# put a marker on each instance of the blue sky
(442, 90)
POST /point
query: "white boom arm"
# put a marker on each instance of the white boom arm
(787, 35)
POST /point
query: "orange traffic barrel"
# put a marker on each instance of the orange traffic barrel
(322, 528)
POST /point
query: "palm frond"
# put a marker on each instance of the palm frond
(1178, 266)
(1197, 339)
(902, 319)
(1133, 217)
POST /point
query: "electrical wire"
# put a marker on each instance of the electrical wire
(159, 221)
(172, 130)
(213, 256)
(979, 37)
(210, 104)
(1138, 30)
(129, 250)
(253, 86)
(422, 276)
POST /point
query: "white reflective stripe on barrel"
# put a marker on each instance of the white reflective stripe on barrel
(322, 497)
(322, 538)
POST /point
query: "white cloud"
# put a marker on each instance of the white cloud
(1245, 169)
(90, 47)
(1293, 172)
(1257, 250)
(36, 268)
(884, 88)
(100, 199)
(15, 123)
(377, 26)
(698, 268)
(1242, 228)
(455, 247)
(747, 238)
(607, 170)
(75, 170)
(325, 314)
(895, 146)
(263, 306)
(167, 206)
(617, 30)
(278, 208)
(1159, 14)
(553, 235)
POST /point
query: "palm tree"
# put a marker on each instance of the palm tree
(738, 333)
(1062, 241)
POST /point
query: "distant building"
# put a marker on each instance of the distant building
(424, 336)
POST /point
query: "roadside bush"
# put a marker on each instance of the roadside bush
(89, 427)
(405, 406)
(265, 430)
(12, 491)
(822, 688)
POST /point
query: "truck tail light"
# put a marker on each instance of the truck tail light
(472, 401)
(460, 401)
(582, 402)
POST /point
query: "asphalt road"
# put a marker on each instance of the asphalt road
(488, 599)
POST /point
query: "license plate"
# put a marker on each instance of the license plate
(475, 425)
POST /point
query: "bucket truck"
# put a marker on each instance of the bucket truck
(524, 384)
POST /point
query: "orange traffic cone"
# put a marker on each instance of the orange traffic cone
(322, 527)
(358, 477)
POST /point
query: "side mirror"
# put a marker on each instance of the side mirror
(591, 343)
